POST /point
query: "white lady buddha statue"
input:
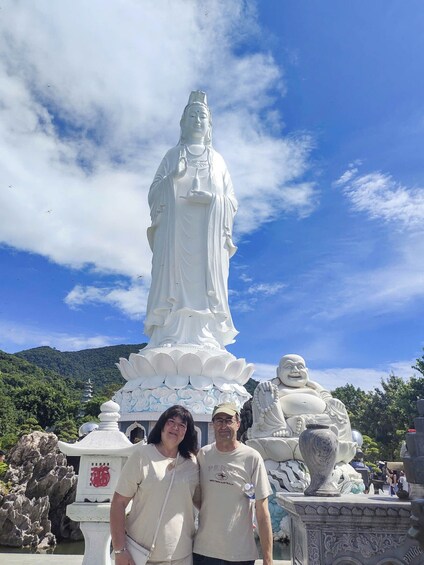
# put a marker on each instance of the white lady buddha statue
(192, 208)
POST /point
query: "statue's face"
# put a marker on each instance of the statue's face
(196, 122)
(292, 371)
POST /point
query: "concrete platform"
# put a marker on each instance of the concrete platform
(40, 559)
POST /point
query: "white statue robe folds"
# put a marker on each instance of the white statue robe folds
(191, 244)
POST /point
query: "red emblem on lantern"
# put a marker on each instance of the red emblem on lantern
(100, 476)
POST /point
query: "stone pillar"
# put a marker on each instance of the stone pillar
(413, 462)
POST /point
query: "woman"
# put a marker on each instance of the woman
(392, 482)
(145, 479)
(192, 207)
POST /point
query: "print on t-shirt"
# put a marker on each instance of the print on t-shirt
(220, 474)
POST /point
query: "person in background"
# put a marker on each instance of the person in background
(403, 486)
(145, 479)
(2, 456)
(392, 482)
(231, 474)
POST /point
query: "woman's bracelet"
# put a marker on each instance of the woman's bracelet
(118, 551)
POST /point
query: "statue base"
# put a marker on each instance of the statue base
(196, 377)
(292, 477)
(360, 530)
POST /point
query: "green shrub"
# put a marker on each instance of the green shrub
(3, 468)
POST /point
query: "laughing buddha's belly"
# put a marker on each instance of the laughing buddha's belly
(298, 403)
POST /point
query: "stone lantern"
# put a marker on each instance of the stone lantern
(103, 453)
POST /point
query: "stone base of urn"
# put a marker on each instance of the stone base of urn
(352, 529)
(195, 377)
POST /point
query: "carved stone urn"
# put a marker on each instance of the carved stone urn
(318, 445)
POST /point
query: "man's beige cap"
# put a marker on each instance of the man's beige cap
(226, 408)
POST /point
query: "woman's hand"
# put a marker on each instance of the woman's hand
(124, 559)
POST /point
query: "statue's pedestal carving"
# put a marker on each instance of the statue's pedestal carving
(196, 377)
(352, 529)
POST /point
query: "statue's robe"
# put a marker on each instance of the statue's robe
(192, 245)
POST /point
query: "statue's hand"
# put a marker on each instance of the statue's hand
(181, 169)
(266, 395)
(198, 197)
(268, 417)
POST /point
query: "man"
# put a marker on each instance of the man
(227, 469)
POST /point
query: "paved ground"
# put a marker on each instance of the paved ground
(21, 559)
(40, 559)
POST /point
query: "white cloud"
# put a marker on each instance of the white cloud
(381, 197)
(379, 269)
(363, 378)
(266, 289)
(132, 300)
(346, 176)
(89, 108)
(264, 372)
(393, 286)
(245, 300)
(14, 336)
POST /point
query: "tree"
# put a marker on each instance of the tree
(45, 402)
(372, 452)
(29, 426)
(390, 413)
(356, 402)
(420, 365)
(251, 385)
(66, 430)
(92, 407)
(9, 415)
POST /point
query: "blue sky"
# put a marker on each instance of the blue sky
(318, 110)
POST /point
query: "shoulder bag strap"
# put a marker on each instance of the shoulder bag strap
(164, 503)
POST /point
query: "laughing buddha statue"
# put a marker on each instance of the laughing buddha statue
(282, 408)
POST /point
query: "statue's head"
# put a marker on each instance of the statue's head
(196, 121)
(292, 371)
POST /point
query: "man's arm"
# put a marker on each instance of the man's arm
(265, 529)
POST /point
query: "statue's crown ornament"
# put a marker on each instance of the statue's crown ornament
(197, 97)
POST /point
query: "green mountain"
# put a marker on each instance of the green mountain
(95, 364)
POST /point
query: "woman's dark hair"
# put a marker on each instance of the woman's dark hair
(188, 446)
